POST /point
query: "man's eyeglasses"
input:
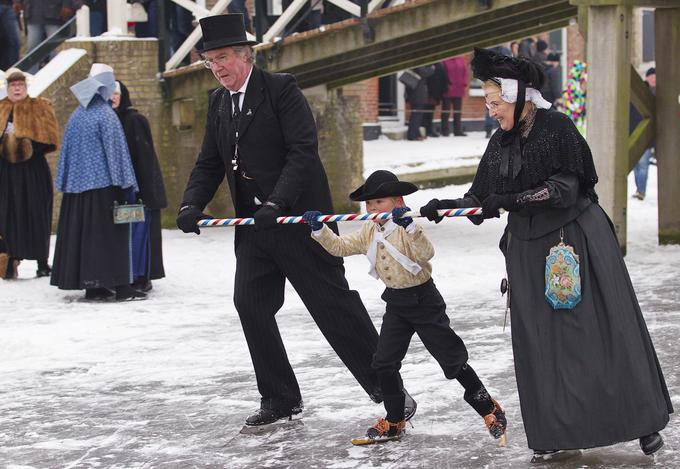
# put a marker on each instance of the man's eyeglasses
(222, 59)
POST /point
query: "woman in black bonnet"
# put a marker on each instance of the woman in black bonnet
(586, 369)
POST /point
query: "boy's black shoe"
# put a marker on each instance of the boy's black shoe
(386, 430)
(265, 416)
(98, 294)
(495, 421)
(127, 293)
(652, 443)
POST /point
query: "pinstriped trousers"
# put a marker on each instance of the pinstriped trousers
(264, 260)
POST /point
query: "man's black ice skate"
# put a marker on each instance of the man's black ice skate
(652, 443)
(410, 404)
(382, 431)
(496, 422)
(267, 418)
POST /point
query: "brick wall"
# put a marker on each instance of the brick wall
(367, 93)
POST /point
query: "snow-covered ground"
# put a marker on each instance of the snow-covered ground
(403, 156)
(168, 382)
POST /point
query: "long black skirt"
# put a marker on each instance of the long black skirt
(91, 251)
(156, 269)
(588, 376)
(26, 207)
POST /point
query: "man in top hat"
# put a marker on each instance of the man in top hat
(261, 135)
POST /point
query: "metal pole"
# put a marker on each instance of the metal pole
(260, 28)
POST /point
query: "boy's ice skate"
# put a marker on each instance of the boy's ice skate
(496, 422)
(382, 431)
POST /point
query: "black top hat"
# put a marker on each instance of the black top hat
(382, 184)
(224, 31)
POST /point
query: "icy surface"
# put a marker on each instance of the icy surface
(167, 382)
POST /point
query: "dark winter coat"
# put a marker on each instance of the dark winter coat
(278, 148)
(588, 376)
(438, 83)
(418, 96)
(142, 153)
(47, 11)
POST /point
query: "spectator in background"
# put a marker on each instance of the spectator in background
(457, 72)
(92, 253)
(308, 18)
(437, 85)
(44, 18)
(28, 130)
(98, 19)
(642, 167)
(239, 6)
(552, 87)
(514, 48)
(147, 247)
(542, 51)
(526, 48)
(417, 97)
(9, 35)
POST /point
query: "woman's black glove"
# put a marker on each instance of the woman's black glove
(494, 202)
(429, 210)
(187, 218)
(310, 218)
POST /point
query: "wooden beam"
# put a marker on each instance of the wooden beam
(639, 140)
(628, 3)
(667, 39)
(607, 107)
(640, 95)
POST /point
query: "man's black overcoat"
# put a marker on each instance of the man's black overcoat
(278, 148)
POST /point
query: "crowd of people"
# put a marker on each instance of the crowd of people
(446, 83)
(107, 161)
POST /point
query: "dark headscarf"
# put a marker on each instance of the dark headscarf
(489, 65)
(125, 103)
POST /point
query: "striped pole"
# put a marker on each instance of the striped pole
(451, 212)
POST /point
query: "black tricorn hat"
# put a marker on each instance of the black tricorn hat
(382, 184)
(224, 31)
(487, 64)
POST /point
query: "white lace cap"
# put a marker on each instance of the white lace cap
(509, 93)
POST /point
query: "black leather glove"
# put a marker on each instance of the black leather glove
(265, 217)
(187, 218)
(310, 218)
(397, 212)
(430, 209)
(494, 202)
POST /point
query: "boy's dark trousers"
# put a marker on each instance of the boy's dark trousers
(421, 310)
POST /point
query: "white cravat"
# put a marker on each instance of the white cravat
(379, 236)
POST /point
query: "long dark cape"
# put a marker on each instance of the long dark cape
(588, 376)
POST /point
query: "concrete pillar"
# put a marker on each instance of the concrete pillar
(340, 133)
(608, 107)
(116, 13)
(667, 38)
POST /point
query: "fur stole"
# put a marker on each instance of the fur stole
(34, 121)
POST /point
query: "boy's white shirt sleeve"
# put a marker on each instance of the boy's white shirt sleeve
(345, 245)
(419, 247)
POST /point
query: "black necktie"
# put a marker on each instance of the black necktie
(236, 114)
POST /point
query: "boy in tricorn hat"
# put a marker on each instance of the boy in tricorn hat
(399, 252)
